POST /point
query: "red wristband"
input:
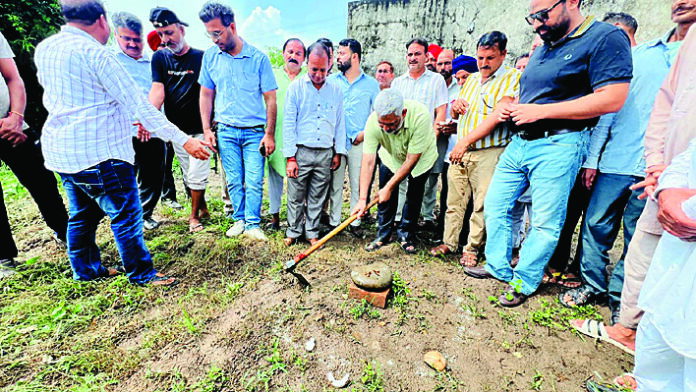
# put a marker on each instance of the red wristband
(292, 159)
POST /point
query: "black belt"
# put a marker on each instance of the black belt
(254, 127)
(534, 135)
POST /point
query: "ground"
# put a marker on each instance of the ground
(238, 322)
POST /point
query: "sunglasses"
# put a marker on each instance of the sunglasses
(543, 15)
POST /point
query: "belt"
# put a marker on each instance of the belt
(252, 127)
(534, 135)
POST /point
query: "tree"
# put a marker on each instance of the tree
(276, 57)
(25, 23)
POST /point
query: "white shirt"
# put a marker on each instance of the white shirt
(669, 290)
(91, 100)
(429, 89)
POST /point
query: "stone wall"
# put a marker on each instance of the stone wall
(384, 26)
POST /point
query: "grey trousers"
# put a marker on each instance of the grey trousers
(311, 187)
(354, 163)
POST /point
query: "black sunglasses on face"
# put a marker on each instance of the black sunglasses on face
(543, 15)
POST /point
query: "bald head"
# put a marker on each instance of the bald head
(444, 64)
(84, 12)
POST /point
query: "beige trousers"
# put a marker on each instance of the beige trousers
(636, 263)
(471, 178)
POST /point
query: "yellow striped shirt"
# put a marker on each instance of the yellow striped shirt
(482, 98)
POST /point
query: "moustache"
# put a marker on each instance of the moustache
(293, 61)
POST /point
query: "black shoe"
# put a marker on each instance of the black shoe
(478, 272)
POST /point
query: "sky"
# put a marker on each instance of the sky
(261, 23)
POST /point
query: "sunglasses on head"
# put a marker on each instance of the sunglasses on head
(543, 15)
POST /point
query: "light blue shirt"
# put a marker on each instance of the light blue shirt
(616, 145)
(239, 83)
(313, 118)
(139, 69)
(358, 98)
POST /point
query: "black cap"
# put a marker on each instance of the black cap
(163, 17)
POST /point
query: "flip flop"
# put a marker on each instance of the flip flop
(570, 281)
(597, 330)
(195, 228)
(408, 247)
(623, 384)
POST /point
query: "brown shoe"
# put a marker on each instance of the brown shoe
(478, 272)
(441, 250)
(512, 298)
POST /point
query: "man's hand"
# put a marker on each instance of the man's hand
(460, 106)
(504, 111)
(15, 138)
(458, 152)
(10, 124)
(197, 148)
(526, 113)
(335, 162)
(448, 129)
(359, 139)
(588, 177)
(360, 208)
(143, 134)
(292, 169)
(210, 138)
(673, 218)
(269, 143)
(384, 194)
(655, 170)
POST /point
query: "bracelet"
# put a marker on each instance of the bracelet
(17, 113)
(292, 159)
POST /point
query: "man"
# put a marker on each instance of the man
(521, 62)
(434, 51)
(239, 78)
(327, 42)
(384, 74)
(359, 92)
(619, 139)
(665, 351)
(24, 158)
(174, 84)
(625, 22)
(426, 87)
(150, 155)
(482, 137)
(314, 139)
(443, 66)
(402, 131)
(462, 67)
(584, 74)
(668, 133)
(87, 140)
(294, 54)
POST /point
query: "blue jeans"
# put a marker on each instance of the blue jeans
(108, 188)
(611, 200)
(548, 166)
(244, 166)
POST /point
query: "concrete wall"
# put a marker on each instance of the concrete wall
(384, 26)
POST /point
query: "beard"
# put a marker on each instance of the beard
(343, 67)
(554, 33)
(446, 73)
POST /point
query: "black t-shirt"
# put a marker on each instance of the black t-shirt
(179, 74)
(596, 54)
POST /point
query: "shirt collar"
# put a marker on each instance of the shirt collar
(246, 51)
(423, 75)
(498, 73)
(74, 30)
(664, 40)
(578, 32)
(145, 58)
(342, 76)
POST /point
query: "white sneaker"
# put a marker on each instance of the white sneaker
(256, 234)
(236, 230)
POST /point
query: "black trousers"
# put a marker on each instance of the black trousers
(149, 165)
(27, 163)
(168, 187)
(386, 212)
(577, 206)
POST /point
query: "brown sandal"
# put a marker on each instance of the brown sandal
(441, 250)
(469, 259)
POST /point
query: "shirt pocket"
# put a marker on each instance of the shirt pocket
(327, 112)
(249, 81)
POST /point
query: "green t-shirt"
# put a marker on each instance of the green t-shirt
(416, 137)
(277, 160)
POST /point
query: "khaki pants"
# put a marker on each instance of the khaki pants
(636, 263)
(471, 178)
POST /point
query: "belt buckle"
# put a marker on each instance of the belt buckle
(523, 134)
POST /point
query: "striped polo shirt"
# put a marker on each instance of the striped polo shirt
(482, 98)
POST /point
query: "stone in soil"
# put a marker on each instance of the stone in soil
(372, 277)
(435, 360)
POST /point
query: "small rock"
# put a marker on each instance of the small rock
(382, 323)
(309, 346)
(373, 276)
(338, 383)
(435, 360)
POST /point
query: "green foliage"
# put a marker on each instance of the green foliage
(556, 316)
(372, 379)
(25, 23)
(537, 381)
(276, 57)
(364, 308)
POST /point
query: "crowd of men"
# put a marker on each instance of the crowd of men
(589, 126)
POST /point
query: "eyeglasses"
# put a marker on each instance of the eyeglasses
(543, 15)
(215, 34)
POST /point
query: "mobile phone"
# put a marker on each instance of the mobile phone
(262, 150)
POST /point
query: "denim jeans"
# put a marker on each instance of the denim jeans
(108, 188)
(548, 166)
(244, 167)
(611, 201)
(386, 212)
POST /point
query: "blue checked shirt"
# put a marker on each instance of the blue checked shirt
(313, 118)
(90, 102)
(616, 145)
(358, 98)
(239, 83)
